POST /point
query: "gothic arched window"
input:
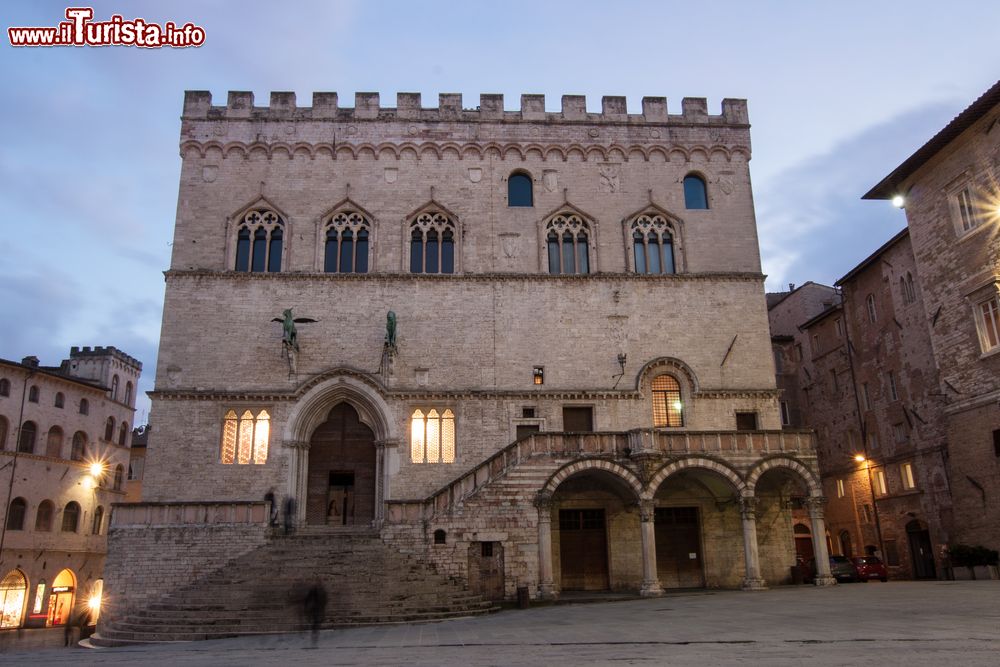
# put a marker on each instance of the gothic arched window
(79, 449)
(259, 242)
(347, 239)
(123, 435)
(653, 245)
(245, 437)
(432, 244)
(109, 429)
(567, 237)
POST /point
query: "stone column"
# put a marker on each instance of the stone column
(546, 587)
(821, 576)
(647, 530)
(753, 581)
(298, 471)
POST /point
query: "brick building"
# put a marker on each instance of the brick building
(532, 350)
(55, 424)
(950, 189)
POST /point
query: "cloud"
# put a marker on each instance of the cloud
(812, 222)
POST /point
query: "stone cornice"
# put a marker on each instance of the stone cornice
(237, 276)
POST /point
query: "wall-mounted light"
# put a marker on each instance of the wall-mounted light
(860, 458)
(622, 358)
(538, 374)
(898, 201)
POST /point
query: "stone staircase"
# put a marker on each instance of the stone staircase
(367, 582)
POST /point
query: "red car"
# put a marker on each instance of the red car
(870, 567)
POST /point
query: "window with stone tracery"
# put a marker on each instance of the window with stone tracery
(432, 436)
(245, 437)
(347, 241)
(259, 242)
(567, 236)
(432, 243)
(653, 245)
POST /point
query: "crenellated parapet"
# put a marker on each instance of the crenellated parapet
(367, 106)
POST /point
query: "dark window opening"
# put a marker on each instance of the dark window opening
(695, 192)
(524, 430)
(440, 537)
(578, 419)
(746, 421)
(486, 549)
(528, 413)
(519, 190)
(591, 519)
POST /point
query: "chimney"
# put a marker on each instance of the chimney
(791, 287)
(30, 362)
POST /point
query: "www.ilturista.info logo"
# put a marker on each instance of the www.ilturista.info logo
(80, 30)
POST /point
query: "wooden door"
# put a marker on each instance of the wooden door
(678, 547)
(583, 550)
(342, 471)
(486, 567)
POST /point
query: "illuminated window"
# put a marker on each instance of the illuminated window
(840, 488)
(245, 437)
(879, 481)
(652, 245)
(36, 608)
(668, 410)
(567, 236)
(259, 242)
(13, 589)
(432, 436)
(519, 190)
(966, 216)
(432, 244)
(906, 474)
(538, 374)
(695, 192)
(347, 241)
(988, 323)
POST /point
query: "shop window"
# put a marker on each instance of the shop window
(245, 437)
(668, 409)
(432, 436)
(13, 590)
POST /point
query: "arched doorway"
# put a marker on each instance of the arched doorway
(920, 550)
(61, 598)
(13, 590)
(785, 529)
(803, 544)
(341, 482)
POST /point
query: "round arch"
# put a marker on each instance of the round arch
(788, 463)
(670, 365)
(690, 462)
(592, 465)
(13, 596)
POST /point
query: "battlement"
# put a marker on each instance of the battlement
(100, 351)
(367, 106)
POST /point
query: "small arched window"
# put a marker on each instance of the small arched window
(911, 291)
(519, 190)
(870, 304)
(432, 244)
(3, 432)
(259, 242)
(54, 443)
(71, 517)
(123, 435)
(109, 429)
(114, 388)
(15, 514)
(567, 237)
(60, 400)
(4, 387)
(119, 477)
(695, 192)
(98, 520)
(84, 406)
(668, 409)
(128, 394)
(653, 245)
(79, 450)
(33, 394)
(43, 517)
(347, 240)
(26, 440)
(440, 537)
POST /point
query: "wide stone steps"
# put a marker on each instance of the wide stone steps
(367, 582)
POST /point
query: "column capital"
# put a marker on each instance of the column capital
(647, 510)
(543, 501)
(815, 505)
(295, 444)
(388, 442)
(748, 507)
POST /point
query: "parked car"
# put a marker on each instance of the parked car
(841, 569)
(870, 567)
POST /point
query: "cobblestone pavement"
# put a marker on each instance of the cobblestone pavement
(899, 623)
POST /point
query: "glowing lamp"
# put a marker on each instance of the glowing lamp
(94, 602)
(96, 469)
(860, 458)
(898, 201)
(678, 405)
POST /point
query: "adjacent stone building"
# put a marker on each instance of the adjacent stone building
(527, 348)
(64, 446)
(950, 189)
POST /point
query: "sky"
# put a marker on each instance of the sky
(839, 94)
